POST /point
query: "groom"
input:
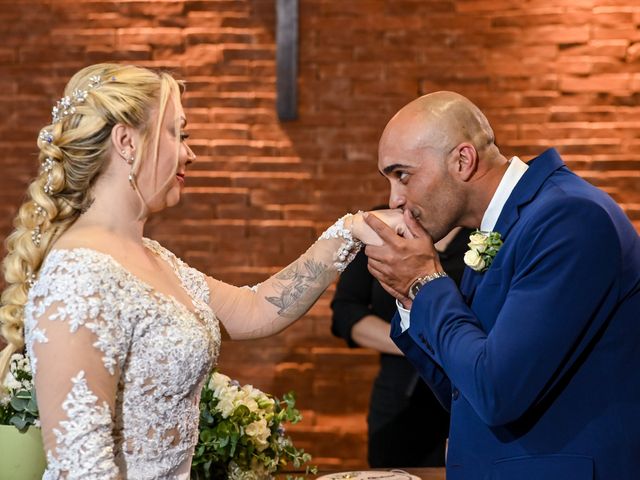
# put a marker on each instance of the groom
(537, 356)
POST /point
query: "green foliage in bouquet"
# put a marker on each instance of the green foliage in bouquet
(242, 434)
(18, 405)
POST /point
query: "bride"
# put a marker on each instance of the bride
(121, 333)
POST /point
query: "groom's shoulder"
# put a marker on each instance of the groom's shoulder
(573, 204)
(567, 191)
(568, 205)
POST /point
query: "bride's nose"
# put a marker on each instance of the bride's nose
(191, 157)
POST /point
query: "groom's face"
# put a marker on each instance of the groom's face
(420, 182)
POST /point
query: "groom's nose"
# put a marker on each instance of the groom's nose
(396, 200)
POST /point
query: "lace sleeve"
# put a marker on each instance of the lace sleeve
(77, 348)
(273, 305)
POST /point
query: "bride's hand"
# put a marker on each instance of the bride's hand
(364, 233)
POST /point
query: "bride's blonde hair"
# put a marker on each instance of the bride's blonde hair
(74, 151)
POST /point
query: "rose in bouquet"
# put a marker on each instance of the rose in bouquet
(18, 405)
(242, 435)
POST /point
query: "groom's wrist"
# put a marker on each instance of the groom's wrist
(421, 281)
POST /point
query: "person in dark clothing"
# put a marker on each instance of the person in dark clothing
(407, 426)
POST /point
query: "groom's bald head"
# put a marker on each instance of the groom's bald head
(439, 121)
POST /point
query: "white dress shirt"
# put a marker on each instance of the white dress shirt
(510, 179)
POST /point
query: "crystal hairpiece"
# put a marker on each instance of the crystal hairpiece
(36, 236)
(31, 279)
(45, 136)
(47, 167)
(64, 107)
(67, 105)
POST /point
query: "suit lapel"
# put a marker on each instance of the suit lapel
(540, 168)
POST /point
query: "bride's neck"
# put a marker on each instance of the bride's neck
(114, 220)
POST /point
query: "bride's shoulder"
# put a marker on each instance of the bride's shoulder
(76, 271)
(81, 252)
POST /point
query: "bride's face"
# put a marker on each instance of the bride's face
(162, 178)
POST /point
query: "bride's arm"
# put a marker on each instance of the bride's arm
(274, 304)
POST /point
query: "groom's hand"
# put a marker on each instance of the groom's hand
(401, 260)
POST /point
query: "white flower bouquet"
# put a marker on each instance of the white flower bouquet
(242, 436)
(18, 405)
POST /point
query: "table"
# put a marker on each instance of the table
(427, 473)
(423, 473)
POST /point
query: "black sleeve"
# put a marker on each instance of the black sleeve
(352, 300)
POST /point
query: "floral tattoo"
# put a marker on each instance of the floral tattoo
(300, 284)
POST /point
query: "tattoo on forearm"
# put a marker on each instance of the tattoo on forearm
(300, 284)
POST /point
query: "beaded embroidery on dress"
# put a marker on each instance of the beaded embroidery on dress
(161, 350)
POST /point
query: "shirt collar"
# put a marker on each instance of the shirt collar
(514, 173)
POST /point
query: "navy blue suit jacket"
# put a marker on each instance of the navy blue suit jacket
(538, 358)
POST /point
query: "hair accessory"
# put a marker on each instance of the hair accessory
(32, 280)
(47, 166)
(95, 81)
(45, 136)
(36, 236)
(67, 105)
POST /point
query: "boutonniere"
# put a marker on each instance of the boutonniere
(483, 247)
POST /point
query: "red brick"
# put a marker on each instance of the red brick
(633, 52)
(262, 190)
(595, 83)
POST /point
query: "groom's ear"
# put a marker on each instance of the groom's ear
(464, 161)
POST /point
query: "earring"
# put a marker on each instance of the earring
(129, 159)
(132, 180)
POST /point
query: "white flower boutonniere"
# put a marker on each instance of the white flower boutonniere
(483, 247)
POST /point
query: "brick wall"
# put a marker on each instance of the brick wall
(549, 72)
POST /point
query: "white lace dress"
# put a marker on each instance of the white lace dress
(128, 363)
